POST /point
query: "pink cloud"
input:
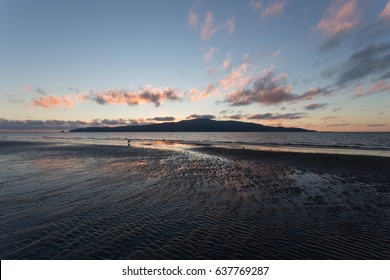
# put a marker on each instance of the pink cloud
(208, 27)
(227, 63)
(273, 9)
(197, 95)
(68, 103)
(116, 97)
(26, 88)
(255, 5)
(209, 89)
(339, 18)
(381, 86)
(236, 78)
(82, 97)
(146, 95)
(208, 54)
(230, 25)
(276, 53)
(53, 101)
(193, 19)
(385, 14)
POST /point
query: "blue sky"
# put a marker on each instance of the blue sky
(321, 65)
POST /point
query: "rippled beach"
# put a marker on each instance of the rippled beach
(85, 201)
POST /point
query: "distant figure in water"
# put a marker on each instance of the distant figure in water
(128, 142)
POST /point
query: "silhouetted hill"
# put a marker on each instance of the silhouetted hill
(195, 125)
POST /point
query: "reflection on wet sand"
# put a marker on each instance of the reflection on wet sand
(114, 202)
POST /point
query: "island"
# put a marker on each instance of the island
(195, 125)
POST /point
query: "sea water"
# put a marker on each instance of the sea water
(359, 143)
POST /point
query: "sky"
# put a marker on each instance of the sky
(322, 65)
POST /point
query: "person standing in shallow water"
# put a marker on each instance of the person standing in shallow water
(128, 142)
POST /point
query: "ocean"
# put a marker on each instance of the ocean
(358, 143)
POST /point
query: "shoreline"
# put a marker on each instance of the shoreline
(352, 165)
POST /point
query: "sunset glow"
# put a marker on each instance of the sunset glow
(322, 65)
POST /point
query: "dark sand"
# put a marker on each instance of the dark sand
(111, 202)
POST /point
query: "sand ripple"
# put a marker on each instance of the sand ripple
(102, 202)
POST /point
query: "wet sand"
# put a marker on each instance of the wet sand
(114, 202)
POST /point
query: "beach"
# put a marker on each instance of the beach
(86, 201)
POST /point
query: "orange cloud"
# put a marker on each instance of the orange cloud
(53, 101)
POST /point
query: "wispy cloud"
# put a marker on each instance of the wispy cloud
(193, 18)
(271, 116)
(227, 63)
(197, 95)
(17, 101)
(208, 90)
(26, 88)
(385, 14)
(162, 119)
(268, 9)
(338, 124)
(315, 106)
(329, 118)
(208, 53)
(196, 116)
(381, 86)
(72, 89)
(53, 101)
(230, 25)
(271, 89)
(273, 9)
(255, 5)
(208, 27)
(372, 61)
(81, 97)
(376, 125)
(234, 117)
(41, 91)
(236, 78)
(277, 53)
(340, 18)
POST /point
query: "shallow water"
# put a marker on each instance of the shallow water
(356, 143)
(107, 202)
